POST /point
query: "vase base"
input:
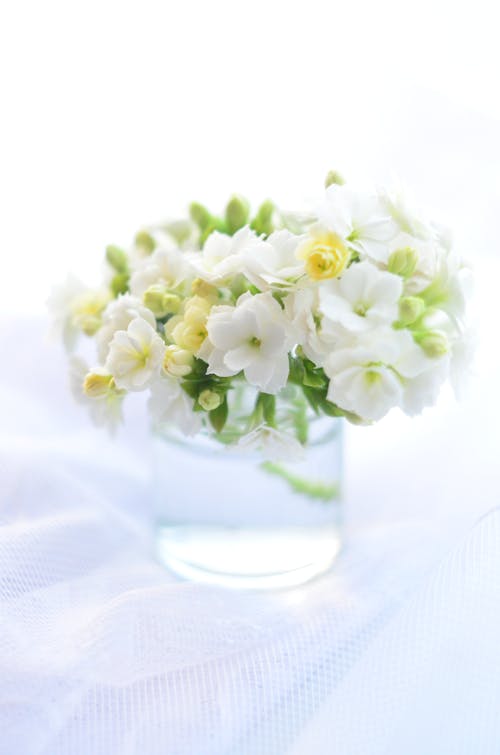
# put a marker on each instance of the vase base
(255, 558)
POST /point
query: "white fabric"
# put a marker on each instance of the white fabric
(102, 652)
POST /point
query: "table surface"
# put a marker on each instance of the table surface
(103, 652)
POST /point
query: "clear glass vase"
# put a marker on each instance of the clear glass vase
(225, 516)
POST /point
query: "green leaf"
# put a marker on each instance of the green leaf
(300, 422)
(318, 489)
(314, 378)
(268, 404)
(330, 409)
(218, 416)
(314, 397)
(297, 370)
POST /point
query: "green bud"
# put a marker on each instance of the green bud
(145, 242)
(237, 213)
(180, 230)
(403, 262)
(200, 215)
(433, 342)
(117, 258)
(332, 177)
(263, 220)
(119, 284)
(209, 400)
(161, 301)
(410, 309)
(216, 224)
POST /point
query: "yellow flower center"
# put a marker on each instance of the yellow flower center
(325, 255)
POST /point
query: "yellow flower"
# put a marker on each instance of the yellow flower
(189, 330)
(325, 255)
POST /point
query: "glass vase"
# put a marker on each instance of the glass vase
(226, 516)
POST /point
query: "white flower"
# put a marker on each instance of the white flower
(273, 264)
(363, 298)
(407, 216)
(169, 404)
(272, 444)
(135, 355)
(254, 336)
(360, 219)
(429, 253)
(450, 288)
(423, 390)
(374, 373)
(106, 408)
(165, 266)
(221, 255)
(117, 316)
(315, 334)
(75, 309)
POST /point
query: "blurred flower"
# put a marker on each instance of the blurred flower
(272, 444)
(170, 405)
(105, 402)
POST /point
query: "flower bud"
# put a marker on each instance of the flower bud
(403, 262)
(117, 258)
(177, 362)
(197, 309)
(209, 400)
(332, 177)
(180, 230)
(200, 215)
(433, 342)
(410, 309)
(237, 213)
(119, 284)
(189, 336)
(96, 384)
(145, 243)
(161, 301)
(199, 287)
(263, 221)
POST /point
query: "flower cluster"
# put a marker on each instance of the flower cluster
(358, 306)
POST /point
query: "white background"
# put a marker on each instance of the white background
(115, 114)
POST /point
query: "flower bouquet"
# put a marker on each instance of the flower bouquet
(259, 333)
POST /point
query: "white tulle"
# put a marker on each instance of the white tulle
(103, 653)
